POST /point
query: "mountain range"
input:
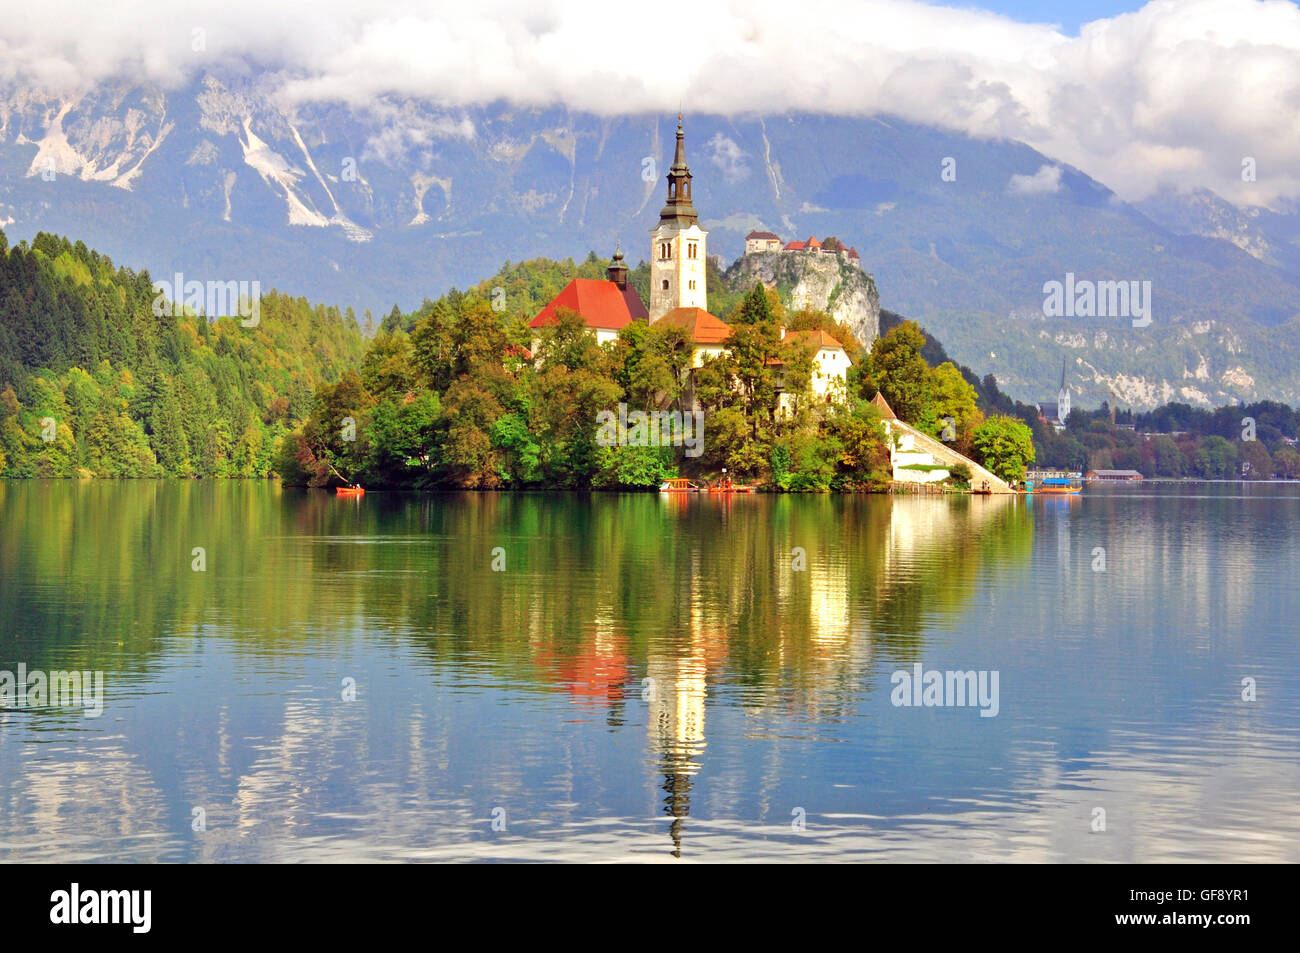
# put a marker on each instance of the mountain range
(223, 180)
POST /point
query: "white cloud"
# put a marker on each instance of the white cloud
(1046, 180)
(1177, 92)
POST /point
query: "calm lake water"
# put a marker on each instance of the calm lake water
(649, 678)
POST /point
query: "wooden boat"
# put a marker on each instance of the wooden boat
(350, 491)
(1057, 486)
(678, 485)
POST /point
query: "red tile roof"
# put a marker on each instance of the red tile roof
(702, 327)
(818, 338)
(635, 306)
(795, 246)
(600, 303)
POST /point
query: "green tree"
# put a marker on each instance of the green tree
(1005, 446)
(953, 412)
(1216, 459)
(1254, 460)
(901, 373)
(1169, 460)
(1286, 463)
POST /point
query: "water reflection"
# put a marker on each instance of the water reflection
(641, 662)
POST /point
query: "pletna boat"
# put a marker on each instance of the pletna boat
(1056, 485)
(678, 485)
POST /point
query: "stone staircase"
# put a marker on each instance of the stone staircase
(942, 453)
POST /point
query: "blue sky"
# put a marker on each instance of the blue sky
(1068, 13)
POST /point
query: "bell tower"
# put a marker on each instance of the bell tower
(677, 249)
(1062, 397)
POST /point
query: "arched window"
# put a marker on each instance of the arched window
(665, 284)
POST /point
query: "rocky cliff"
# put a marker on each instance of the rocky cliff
(817, 280)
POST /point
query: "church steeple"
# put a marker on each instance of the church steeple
(679, 208)
(678, 276)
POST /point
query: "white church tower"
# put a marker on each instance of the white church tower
(1062, 397)
(677, 256)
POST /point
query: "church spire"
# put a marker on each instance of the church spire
(679, 207)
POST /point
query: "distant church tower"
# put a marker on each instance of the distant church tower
(677, 257)
(1062, 397)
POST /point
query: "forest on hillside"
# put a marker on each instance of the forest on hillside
(94, 383)
(96, 380)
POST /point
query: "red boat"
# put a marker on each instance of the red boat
(350, 491)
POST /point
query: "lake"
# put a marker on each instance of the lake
(290, 676)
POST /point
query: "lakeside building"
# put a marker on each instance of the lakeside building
(916, 457)
(1113, 475)
(602, 305)
(830, 368)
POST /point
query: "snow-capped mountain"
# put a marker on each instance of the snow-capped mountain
(400, 200)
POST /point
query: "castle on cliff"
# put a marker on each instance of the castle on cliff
(758, 242)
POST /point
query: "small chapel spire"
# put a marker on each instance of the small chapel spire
(617, 270)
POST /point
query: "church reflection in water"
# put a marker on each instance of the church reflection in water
(732, 616)
(676, 731)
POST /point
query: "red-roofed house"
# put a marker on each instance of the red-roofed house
(834, 247)
(602, 305)
(761, 242)
(830, 365)
(707, 334)
(812, 244)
